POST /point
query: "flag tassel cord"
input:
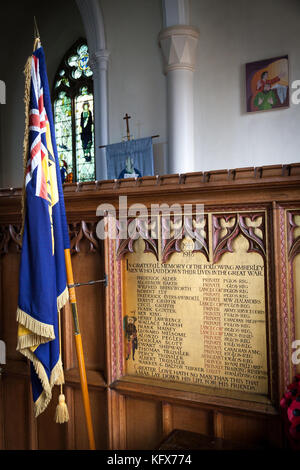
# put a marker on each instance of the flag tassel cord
(61, 414)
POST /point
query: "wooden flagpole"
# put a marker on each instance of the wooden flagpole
(36, 34)
(79, 351)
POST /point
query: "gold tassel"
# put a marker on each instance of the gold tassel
(62, 414)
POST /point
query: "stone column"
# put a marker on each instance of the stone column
(178, 44)
(99, 65)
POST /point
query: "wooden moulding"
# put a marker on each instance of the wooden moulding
(279, 183)
(131, 386)
(95, 378)
(272, 176)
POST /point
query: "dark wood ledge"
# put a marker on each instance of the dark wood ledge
(263, 184)
(131, 386)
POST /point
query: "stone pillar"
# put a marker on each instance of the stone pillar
(99, 65)
(178, 44)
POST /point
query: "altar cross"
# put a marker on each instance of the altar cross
(126, 118)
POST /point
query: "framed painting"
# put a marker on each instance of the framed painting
(267, 84)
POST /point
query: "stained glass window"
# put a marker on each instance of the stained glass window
(63, 129)
(74, 115)
(84, 135)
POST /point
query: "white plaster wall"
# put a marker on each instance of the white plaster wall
(60, 26)
(232, 33)
(136, 82)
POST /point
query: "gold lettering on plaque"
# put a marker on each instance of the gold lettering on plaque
(197, 322)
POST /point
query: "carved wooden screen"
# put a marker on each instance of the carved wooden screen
(251, 218)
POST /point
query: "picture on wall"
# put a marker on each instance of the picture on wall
(267, 84)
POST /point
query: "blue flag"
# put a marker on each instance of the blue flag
(42, 279)
(130, 159)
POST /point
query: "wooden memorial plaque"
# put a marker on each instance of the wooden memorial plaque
(191, 308)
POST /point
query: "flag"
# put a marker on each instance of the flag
(42, 278)
(130, 159)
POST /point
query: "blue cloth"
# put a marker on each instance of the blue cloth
(130, 159)
(42, 276)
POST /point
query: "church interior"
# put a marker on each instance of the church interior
(191, 327)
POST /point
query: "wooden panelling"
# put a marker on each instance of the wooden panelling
(98, 406)
(10, 272)
(249, 430)
(192, 419)
(90, 299)
(128, 415)
(51, 436)
(23, 431)
(16, 415)
(1, 416)
(167, 419)
(143, 424)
